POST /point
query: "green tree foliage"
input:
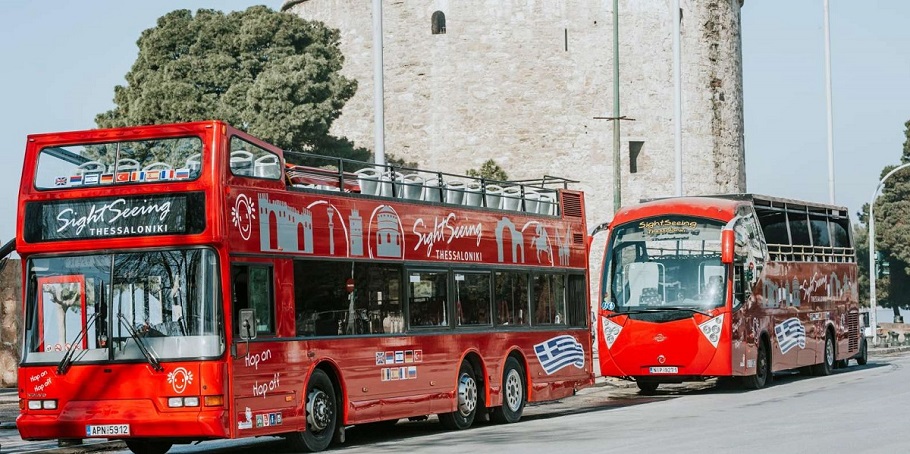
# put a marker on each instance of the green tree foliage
(489, 170)
(892, 231)
(271, 74)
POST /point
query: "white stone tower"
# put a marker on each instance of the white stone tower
(520, 81)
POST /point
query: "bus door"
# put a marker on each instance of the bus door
(262, 387)
(751, 254)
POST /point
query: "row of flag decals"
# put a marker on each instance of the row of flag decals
(123, 177)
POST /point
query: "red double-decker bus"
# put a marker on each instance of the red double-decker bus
(728, 286)
(190, 282)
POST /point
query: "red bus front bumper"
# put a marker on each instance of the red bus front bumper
(142, 416)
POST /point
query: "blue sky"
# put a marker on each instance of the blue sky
(62, 60)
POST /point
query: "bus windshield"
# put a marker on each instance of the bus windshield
(155, 305)
(665, 262)
(140, 161)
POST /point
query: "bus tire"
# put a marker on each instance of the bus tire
(514, 393)
(321, 415)
(762, 368)
(647, 388)
(146, 446)
(863, 356)
(467, 396)
(827, 364)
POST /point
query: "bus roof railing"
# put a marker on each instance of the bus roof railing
(328, 173)
(800, 253)
(768, 202)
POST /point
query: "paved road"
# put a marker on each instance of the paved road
(797, 414)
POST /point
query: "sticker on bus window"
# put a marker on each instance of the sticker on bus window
(662, 227)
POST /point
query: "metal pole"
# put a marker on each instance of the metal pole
(378, 116)
(617, 175)
(830, 110)
(873, 320)
(677, 100)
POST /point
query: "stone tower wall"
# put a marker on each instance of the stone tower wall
(520, 81)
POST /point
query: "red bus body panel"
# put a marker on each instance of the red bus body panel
(264, 380)
(821, 295)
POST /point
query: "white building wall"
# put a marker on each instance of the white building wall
(521, 81)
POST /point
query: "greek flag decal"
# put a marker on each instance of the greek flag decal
(789, 334)
(559, 352)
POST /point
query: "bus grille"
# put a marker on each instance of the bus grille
(853, 330)
(571, 204)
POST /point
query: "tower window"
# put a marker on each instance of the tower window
(634, 151)
(438, 23)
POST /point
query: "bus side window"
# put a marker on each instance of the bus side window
(252, 289)
(738, 277)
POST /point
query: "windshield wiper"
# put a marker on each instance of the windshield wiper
(680, 308)
(67, 360)
(146, 351)
(658, 309)
(635, 311)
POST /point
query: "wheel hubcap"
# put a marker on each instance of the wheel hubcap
(467, 394)
(319, 410)
(829, 351)
(513, 390)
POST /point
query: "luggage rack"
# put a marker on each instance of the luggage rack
(325, 173)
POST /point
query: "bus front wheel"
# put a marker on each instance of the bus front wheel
(140, 446)
(321, 415)
(647, 388)
(464, 413)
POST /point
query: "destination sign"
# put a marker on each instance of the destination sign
(114, 217)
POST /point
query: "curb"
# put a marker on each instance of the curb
(888, 350)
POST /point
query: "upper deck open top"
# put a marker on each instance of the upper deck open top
(178, 184)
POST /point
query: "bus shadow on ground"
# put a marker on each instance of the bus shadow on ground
(733, 385)
(403, 431)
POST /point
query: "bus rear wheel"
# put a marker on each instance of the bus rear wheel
(762, 369)
(321, 415)
(514, 395)
(863, 356)
(827, 364)
(145, 446)
(463, 416)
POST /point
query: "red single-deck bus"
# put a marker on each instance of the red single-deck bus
(728, 286)
(185, 282)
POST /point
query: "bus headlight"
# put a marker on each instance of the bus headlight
(712, 328)
(179, 402)
(611, 331)
(42, 405)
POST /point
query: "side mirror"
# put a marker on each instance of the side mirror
(727, 242)
(247, 324)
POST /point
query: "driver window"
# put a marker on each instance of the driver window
(644, 279)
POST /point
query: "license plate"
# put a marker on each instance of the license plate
(665, 370)
(108, 430)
